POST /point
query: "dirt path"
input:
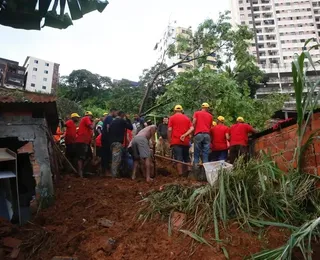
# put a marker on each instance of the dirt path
(69, 228)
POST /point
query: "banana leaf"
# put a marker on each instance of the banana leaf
(22, 14)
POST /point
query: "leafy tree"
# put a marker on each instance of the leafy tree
(66, 107)
(212, 38)
(85, 87)
(192, 88)
(124, 96)
(158, 87)
(98, 93)
(246, 72)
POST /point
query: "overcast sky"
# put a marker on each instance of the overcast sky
(117, 43)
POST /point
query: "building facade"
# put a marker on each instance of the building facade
(11, 74)
(281, 28)
(41, 75)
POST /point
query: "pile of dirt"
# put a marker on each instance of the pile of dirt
(97, 219)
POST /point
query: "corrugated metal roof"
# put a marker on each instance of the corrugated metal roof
(18, 96)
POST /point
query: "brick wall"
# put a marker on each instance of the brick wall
(281, 145)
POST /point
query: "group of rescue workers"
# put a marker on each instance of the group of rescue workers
(117, 140)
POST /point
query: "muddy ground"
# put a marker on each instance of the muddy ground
(70, 227)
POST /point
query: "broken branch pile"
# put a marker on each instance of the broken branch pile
(253, 192)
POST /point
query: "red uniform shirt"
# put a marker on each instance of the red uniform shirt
(204, 122)
(180, 124)
(84, 132)
(71, 132)
(219, 141)
(98, 140)
(239, 134)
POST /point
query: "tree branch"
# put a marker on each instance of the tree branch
(156, 106)
(184, 60)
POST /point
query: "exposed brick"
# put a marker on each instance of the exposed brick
(288, 155)
(36, 169)
(315, 125)
(291, 144)
(318, 159)
(280, 163)
(310, 170)
(292, 135)
(274, 149)
(295, 164)
(27, 148)
(316, 146)
(318, 172)
(258, 145)
(310, 161)
(281, 145)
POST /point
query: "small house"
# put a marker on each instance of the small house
(27, 122)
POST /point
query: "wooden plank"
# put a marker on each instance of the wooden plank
(172, 160)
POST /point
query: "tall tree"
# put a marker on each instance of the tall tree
(246, 71)
(191, 89)
(210, 39)
(83, 84)
(158, 87)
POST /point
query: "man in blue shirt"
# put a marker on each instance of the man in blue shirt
(106, 150)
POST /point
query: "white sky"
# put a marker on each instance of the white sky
(117, 42)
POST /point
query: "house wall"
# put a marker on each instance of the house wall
(26, 128)
(281, 145)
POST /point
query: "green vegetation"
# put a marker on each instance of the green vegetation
(257, 193)
(252, 192)
(223, 93)
(229, 91)
(96, 93)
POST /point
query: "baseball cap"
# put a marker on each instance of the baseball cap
(88, 113)
(205, 105)
(214, 123)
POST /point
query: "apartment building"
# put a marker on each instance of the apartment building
(41, 75)
(281, 29)
(11, 74)
(170, 37)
